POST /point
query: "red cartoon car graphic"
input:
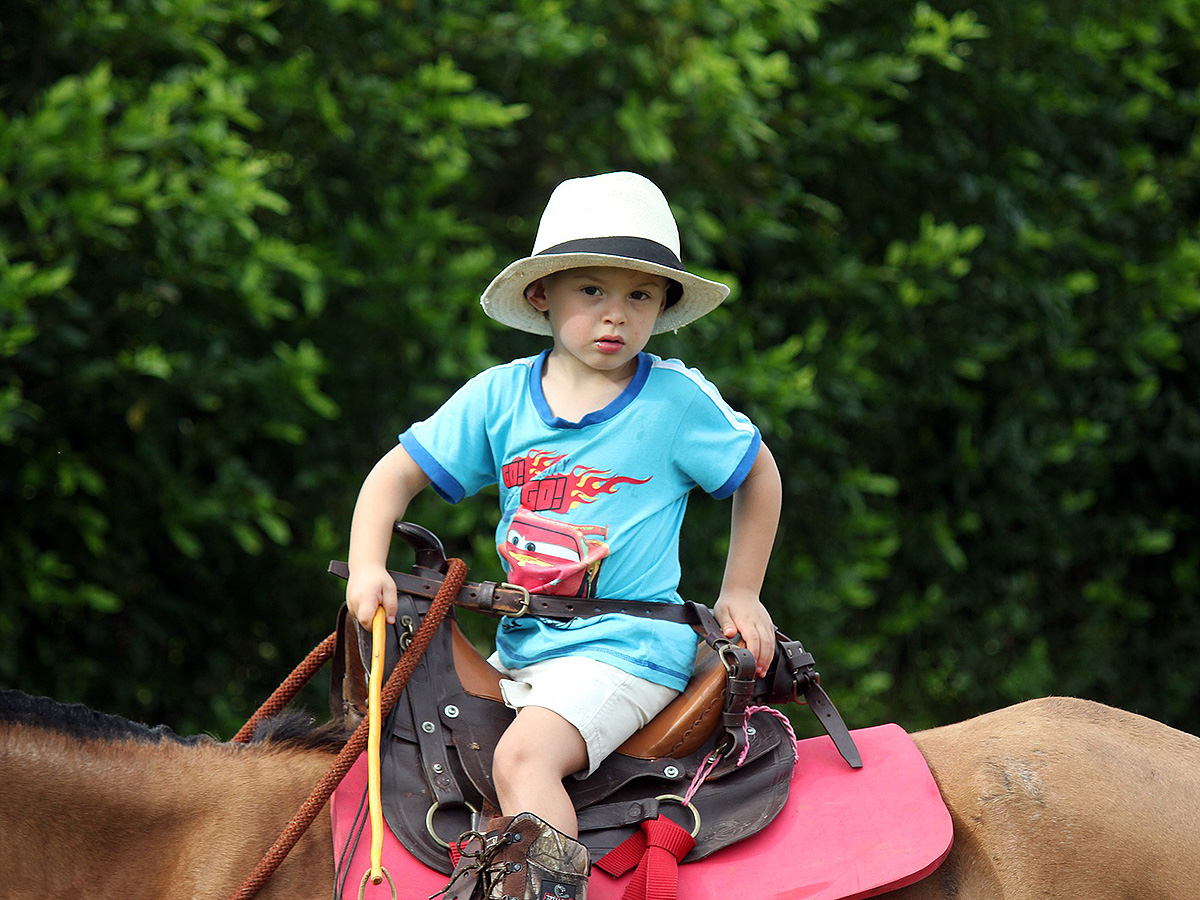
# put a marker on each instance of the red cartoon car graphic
(550, 557)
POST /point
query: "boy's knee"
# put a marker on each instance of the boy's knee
(534, 750)
(515, 763)
(509, 756)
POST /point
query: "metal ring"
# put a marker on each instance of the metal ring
(686, 804)
(362, 888)
(429, 822)
(408, 629)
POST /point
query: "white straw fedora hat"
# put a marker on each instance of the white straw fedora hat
(616, 219)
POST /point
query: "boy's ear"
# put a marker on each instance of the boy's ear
(535, 293)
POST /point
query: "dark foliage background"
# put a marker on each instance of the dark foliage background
(241, 246)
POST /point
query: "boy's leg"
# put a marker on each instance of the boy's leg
(530, 850)
(535, 753)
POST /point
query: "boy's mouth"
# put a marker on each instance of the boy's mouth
(610, 344)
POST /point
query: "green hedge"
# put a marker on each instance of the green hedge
(241, 247)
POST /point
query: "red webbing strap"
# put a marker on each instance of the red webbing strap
(656, 850)
(354, 747)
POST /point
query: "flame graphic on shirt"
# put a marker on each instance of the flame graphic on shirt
(562, 492)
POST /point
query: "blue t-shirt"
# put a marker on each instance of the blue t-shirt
(590, 508)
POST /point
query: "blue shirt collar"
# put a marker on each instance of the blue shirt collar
(627, 396)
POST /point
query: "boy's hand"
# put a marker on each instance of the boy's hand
(382, 502)
(369, 587)
(744, 613)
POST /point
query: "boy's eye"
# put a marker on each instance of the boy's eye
(591, 290)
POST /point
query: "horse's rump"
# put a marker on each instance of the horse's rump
(1066, 798)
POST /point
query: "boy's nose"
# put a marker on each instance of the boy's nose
(614, 310)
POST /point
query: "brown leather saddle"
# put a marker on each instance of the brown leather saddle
(437, 753)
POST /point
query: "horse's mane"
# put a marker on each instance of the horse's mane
(79, 721)
(299, 730)
(287, 730)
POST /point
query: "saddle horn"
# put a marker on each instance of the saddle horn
(428, 546)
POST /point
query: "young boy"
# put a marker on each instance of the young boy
(595, 446)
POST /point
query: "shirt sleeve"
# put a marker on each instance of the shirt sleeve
(452, 446)
(715, 445)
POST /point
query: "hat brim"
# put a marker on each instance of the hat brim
(504, 299)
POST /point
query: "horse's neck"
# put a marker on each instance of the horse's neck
(133, 819)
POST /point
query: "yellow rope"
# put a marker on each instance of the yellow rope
(378, 640)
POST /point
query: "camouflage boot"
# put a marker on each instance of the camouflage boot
(519, 858)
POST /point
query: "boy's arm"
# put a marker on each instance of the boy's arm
(382, 502)
(756, 506)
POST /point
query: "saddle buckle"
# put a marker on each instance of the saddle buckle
(526, 599)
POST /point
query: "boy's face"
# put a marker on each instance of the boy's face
(600, 316)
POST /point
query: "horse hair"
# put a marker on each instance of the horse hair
(287, 730)
(297, 729)
(77, 720)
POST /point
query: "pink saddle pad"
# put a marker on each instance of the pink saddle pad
(843, 834)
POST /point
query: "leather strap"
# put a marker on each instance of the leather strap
(425, 718)
(497, 599)
(819, 703)
(739, 677)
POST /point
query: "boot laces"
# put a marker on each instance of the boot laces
(489, 870)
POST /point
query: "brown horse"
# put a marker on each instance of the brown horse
(1054, 798)
(94, 806)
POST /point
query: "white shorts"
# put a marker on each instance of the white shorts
(606, 705)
